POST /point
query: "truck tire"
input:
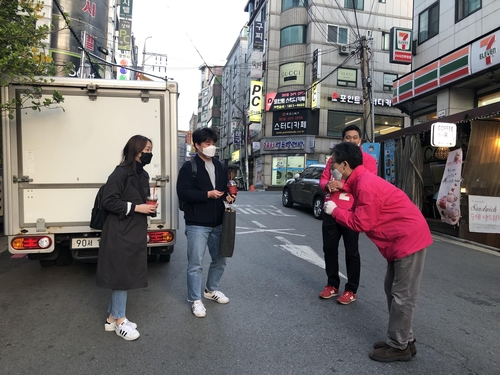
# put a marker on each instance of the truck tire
(64, 258)
(47, 263)
(165, 258)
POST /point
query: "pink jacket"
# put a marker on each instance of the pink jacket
(342, 198)
(386, 214)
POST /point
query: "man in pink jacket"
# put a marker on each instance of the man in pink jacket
(391, 220)
(333, 231)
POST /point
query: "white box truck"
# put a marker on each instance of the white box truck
(55, 160)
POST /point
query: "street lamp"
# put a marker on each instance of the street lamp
(144, 53)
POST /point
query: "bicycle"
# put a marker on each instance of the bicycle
(239, 183)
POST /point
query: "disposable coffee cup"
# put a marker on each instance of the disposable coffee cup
(231, 186)
(152, 199)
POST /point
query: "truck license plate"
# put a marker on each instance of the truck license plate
(84, 243)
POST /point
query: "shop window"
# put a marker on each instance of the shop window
(387, 124)
(337, 121)
(428, 23)
(293, 35)
(337, 34)
(488, 99)
(285, 167)
(464, 8)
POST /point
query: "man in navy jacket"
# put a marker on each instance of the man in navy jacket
(203, 196)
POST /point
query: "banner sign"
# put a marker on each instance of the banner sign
(290, 122)
(277, 101)
(125, 35)
(484, 214)
(448, 200)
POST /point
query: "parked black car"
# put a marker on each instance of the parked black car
(304, 189)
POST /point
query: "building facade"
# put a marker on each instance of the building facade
(455, 79)
(305, 83)
(233, 117)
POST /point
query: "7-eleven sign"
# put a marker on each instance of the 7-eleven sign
(485, 52)
(400, 46)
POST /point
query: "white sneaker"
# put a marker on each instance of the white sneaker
(198, 309)
(216, 296)
(111, 326)
(127, 332)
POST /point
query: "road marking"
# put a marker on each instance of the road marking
(303, 252)
(248, 209)
(248, 230)
(259, 224)
(467, 245)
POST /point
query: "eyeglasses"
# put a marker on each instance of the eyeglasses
(354, 137)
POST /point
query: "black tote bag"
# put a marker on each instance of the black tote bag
(228, 235)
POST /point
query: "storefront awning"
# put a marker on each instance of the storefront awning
(486, 112)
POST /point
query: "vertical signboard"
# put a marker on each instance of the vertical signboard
(258, 36)
(124, 35)
(255, 101)
(316, 76)
(126, 8)
(400, 46)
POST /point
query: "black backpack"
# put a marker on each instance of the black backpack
(194, 170)
(99, 214)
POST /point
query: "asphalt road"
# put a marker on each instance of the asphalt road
(51, 319)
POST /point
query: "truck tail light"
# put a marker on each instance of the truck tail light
(160, 237)
(31, 243)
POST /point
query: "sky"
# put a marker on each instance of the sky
(180, 28)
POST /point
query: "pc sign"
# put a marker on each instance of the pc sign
(443, 134)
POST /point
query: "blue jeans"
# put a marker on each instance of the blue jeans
(198, 238)
(118, 304)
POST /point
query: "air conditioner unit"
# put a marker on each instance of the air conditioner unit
(344, 50)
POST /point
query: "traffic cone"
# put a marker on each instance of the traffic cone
(252, 188)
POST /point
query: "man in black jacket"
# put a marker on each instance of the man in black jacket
(203, 197)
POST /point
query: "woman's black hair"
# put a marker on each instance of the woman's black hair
(134, 146)
(349, 152)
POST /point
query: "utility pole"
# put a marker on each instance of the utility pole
(247, 153)
(144, 53)
(367, 82)
(82, 55)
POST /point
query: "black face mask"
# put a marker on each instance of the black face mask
(146, 158)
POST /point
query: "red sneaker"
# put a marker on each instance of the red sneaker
(329, 292)
(347, 298)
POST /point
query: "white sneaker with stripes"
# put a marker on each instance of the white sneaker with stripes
(216, 296)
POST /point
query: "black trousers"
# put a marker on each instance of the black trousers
(332, 231)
